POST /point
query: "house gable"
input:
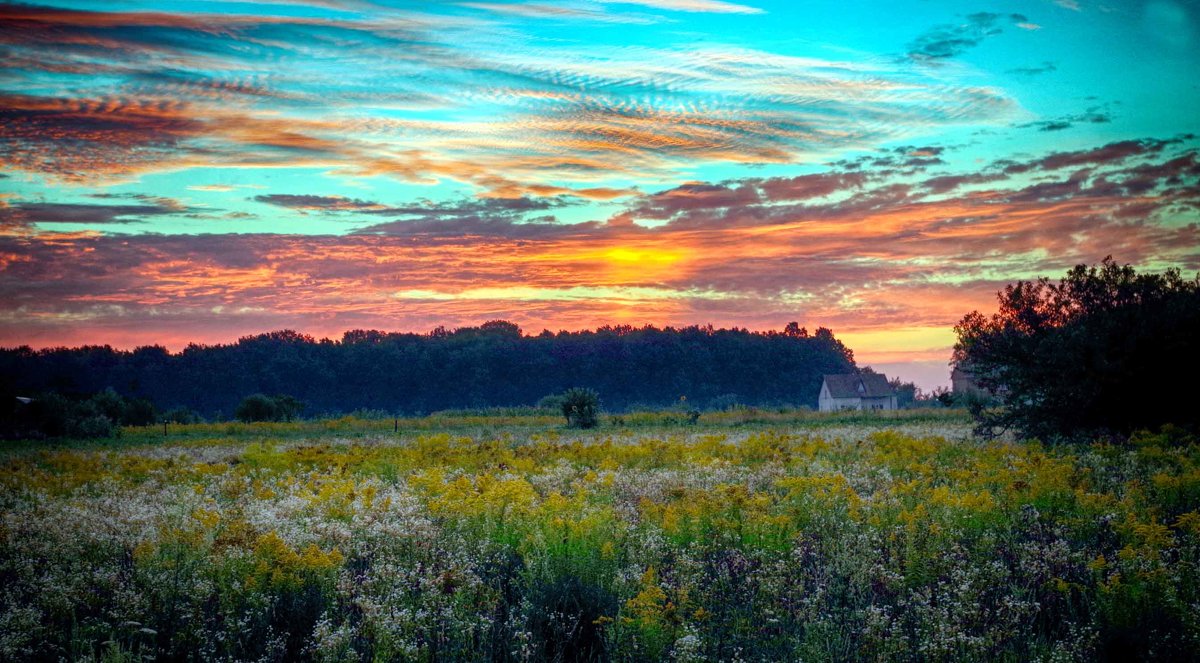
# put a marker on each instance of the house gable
(868, 391)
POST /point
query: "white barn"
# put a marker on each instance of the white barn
(855, 391)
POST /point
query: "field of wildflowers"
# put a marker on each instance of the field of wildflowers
(514, 539)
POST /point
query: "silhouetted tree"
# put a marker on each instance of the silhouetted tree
(493, 364)
(1104, 351)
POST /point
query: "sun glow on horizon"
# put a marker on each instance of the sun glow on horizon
(199, 171)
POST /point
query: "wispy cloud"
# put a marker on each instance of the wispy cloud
(864, 249)
(188, 90)
(140, 209)
(1043, 68)
(563, 12)
(1094, 115)
(570, 163)
(494, 216)
(713, 6)
(953, 39)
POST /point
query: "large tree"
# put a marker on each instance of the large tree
(1105, 351)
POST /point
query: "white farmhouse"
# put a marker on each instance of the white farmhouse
(854, 391)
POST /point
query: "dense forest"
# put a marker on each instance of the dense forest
(490, 365)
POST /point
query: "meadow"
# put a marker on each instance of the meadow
(751, 535)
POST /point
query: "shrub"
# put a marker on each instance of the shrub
(96, 425)
(256, 407)
(109, 404)
(54, 415)
(580, 407)
(118, 409)
(567, 617)
(138, 412)
(182, 415)
(260, 407)
(287, 407)
(551, 402)
(723, 403)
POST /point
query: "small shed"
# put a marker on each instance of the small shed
(964, 382)
(857, 391)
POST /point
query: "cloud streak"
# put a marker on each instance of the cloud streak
(863, 250)
(189, 90)
(196, 171)
(953, 39)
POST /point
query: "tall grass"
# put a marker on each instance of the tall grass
(709, 542)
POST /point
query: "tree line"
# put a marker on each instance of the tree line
(491, 365)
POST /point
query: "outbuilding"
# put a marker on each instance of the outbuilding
(965, 384)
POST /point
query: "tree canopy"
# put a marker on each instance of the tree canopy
(494, 364)
(1105, 351)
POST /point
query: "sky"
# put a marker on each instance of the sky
(175, 172)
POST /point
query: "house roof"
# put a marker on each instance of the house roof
(854, 385)
(960, 373)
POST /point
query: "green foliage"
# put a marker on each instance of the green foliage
(1103, 352)
(492, 365)
(723, 403)
(287, 407)
(906, 393)
(139, 412)
(551, 402)
(260, 407)
(581, 406)
(91, 427)
(55, 415)
(566, 618)
(123, 411)
(109, 404)
(256, 407)
(778, 544)
(182, 415)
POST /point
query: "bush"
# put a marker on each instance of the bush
(723, 403)
(551, 402)
(96, 425)
(256, 407)
(139, 412)
(109, 404)
(260, 407)
(182, 415)
(122, 410)
(287, 407)
(566, 619)
(580, 406)
(54, 415)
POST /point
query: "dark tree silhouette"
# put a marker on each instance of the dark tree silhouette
(493, 364)
(1105, 351)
